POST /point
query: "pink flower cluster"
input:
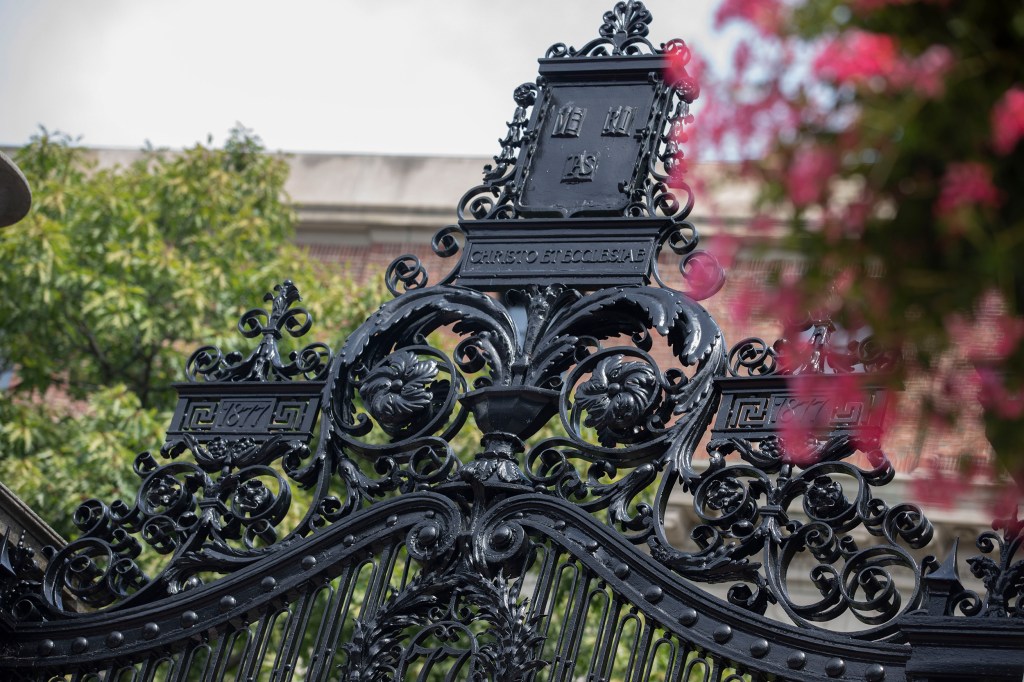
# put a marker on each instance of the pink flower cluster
(863, 58)
(987, 342)
(676, 72)
(937, 483)
(683, 72)
(1008, 121)
(967, 184)
(808, 174)
(996, 396)
(822, 396)
(764, 15)
(856, 57)
(987, 338)
(926, 74)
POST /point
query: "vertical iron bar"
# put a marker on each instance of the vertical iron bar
(377, 589)
(642, 649)
(216, 667)
(717, 667)
(256, 644)
(559, 651)
(288, 652)
(346, 596)
(187, 658)
(334, 619)
(681, 652)
(617, 636)
(582, 610)
(604, 654)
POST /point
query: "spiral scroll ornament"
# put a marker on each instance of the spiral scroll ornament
(485, 630)
(623, 31)
(1003, 579)
(209, 363)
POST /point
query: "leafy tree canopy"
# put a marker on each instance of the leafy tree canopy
(109, 284)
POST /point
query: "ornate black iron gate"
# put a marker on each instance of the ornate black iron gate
(542, 554)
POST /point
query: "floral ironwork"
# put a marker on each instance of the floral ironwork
(441, 607)
(623, 32)
(1004, 581)
(209, 363)
(815, 354)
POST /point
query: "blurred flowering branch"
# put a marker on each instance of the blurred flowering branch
(886, 136)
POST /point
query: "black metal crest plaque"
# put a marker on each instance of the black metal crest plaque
(586, 190)
(591, 131)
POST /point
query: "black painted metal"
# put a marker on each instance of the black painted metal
(532, 543)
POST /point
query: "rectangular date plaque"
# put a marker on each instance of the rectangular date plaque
(258, 410)
(758, 407)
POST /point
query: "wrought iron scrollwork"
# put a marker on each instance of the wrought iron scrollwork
(817, 354)
(753, 357)
(20, 579)
(746, 511)
(223, 509)
(795, 414)
(623, 32)
(1003, 580)
(431, 621)
(209, 363)
(514, 377)
(495, 433)
(494, 198)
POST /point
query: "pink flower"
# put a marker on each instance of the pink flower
(990, 335)
(857, 57)
(855, 216)
(724, 247)
(741, 57)
(819, 402)
(1008, 121)
(1007, 502)
(703, 275)
(937, 483)
(761, 223)
(967, 184)
(927, 73)
(801, 421)
(788, 302)
(808, 175)
(996, 397)
(1010, 330)
(764, 15)
(743, 300)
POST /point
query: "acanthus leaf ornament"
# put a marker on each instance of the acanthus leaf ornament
(1004, 581)
(446, 604)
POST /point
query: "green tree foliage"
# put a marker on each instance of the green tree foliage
(113, 279)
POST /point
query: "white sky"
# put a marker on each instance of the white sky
(393, 76)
